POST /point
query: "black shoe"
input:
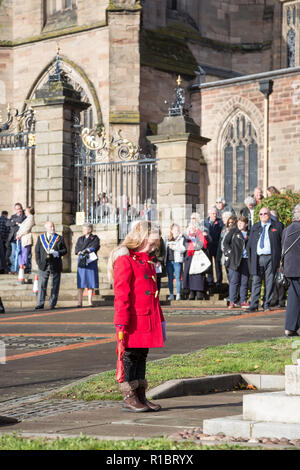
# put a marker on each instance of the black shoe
(291, 333)
(192, 295)
(2, 309)
(39, 307)
(200, 295)
(251, 309)
(5, 421)
(52, 307)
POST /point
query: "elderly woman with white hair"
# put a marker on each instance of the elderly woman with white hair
(86, 248)
(291, 253)
(248, 210)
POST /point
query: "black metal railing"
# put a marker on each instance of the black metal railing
(111, 190)
(18, 141)
(116, 192)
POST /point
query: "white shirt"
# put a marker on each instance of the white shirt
(266, 250)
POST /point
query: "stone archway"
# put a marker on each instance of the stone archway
(79, 81)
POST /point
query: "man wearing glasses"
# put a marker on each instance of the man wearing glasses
(264, 251)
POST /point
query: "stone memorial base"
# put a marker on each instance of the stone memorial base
(271, 414)
(237, 426)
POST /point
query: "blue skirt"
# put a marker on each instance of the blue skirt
(88, 277)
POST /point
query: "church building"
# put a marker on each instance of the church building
(110, 68)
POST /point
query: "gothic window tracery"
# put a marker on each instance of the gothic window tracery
(291, 46)
(290, 34)
(240, 153)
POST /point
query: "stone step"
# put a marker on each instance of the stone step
(236, 426)
(276, 407)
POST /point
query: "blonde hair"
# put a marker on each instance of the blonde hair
(171, 228)
(133, 240)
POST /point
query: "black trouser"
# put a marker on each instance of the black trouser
(43, 282)
(292, 318)
(135, 363)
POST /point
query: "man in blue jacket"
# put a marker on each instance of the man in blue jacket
(264, 252)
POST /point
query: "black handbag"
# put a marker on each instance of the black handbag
(83, 260)
(280, 277)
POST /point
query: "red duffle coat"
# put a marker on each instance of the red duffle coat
(136, 302)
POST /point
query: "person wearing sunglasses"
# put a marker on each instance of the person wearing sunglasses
(264, 251)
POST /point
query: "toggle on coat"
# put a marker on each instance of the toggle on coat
(136, 303)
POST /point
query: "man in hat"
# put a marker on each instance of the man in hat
(49, 250)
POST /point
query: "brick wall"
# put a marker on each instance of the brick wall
(213, 108)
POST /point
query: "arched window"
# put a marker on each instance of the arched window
(240, 159)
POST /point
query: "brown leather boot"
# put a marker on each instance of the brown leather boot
(141, 393)
(131, 401)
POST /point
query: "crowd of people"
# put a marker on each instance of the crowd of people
(224, 244)
(249, 257)
(16, 239)
(227, 244)
(249, 253)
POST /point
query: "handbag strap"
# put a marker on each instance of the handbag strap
(288, 249)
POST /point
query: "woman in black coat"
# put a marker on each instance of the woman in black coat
(292, 271)
(86, 248)
(235, 249)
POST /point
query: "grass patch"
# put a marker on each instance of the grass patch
(15, 442)
(260, 357)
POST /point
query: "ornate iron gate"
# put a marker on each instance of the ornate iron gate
(114, 183)
(18, 131)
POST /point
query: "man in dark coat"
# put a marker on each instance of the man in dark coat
(291, 242)
(213, 226)
(264, 252)
(49, 250)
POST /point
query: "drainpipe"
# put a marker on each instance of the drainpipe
(266, 88)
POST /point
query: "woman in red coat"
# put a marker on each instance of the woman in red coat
(137, 310)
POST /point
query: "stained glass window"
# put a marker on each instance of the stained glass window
(228, 173)
(240, 153)
(291, 44)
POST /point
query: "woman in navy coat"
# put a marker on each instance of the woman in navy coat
(87, 276)
(292, 272)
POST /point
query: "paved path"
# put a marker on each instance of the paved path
(49, 349)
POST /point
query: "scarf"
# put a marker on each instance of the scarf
(193, 240)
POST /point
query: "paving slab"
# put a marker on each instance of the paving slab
(177, 414)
